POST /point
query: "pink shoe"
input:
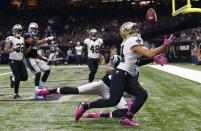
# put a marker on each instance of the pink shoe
(79, 112)
(42, 92)
(128, 122)
(93, 115)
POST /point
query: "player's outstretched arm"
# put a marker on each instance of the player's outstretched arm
(150, 53)
(44, 41)
(158, 59)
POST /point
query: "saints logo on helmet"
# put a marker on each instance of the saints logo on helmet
(129, 29)
(93, 34)
(17, 30)
(33, 28)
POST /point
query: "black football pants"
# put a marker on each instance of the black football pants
(122, 81)
(93, 67)
(19, 71)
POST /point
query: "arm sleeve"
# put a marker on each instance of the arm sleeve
(143, 61)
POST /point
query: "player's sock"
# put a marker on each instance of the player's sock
(119, 113)
(53, 91)
(45, 75)
(129, 115)
(16, 86)
(68, 90)
(106, 115)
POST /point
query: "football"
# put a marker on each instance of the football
(29, 41)
(151, 16)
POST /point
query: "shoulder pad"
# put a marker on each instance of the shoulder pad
(9, 39)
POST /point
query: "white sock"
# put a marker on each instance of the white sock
(58, 90)
(36, 88)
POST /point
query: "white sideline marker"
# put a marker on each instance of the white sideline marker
(5, 73)
(189, 74)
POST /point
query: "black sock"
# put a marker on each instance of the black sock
(69, 90)
(45, 75)
(16, 89)
(53, 91)
(129, 115)
(119, 113)
(106, 115)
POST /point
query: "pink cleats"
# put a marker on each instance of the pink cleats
(128, 122)
(79, 112)
(42, 92)
(93, 115)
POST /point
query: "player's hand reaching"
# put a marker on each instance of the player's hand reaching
(168, 41)
(160, 59)
(49, 38)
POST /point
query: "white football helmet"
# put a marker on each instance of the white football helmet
(78, 43)
(129, 29)
(93, 34)
(17, 30)
(33, 28)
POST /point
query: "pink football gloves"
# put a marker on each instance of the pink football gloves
(168, 41)
(160, 59)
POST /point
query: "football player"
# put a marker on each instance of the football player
(34, 61)
(53, 53)
(15, 47)
(78, 49)
(123, 77)
(102, 87)
(93, 44)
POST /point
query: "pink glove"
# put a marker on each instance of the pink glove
(169, 41)
(160, 59)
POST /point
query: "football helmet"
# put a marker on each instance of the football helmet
(115, 59)
(17, 30)
(129, 29)
(93, 34)
(78, 43)
(33, 28)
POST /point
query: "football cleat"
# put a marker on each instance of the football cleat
(16, 97)
(37, 97)
(42, 92)
(79, 111)
(128, 122)
(93, 115)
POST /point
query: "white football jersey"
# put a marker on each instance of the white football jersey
(129, 58)
(78, 50)
(93, 47)
(16, 43)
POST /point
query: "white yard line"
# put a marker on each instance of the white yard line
(180, 71)
(5, 73)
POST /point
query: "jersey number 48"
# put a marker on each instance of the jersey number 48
(95, 49)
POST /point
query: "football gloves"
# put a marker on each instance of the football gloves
(168, 41)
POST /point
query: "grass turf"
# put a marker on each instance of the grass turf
(173, 104)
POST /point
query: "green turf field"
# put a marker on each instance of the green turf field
(174, 104)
